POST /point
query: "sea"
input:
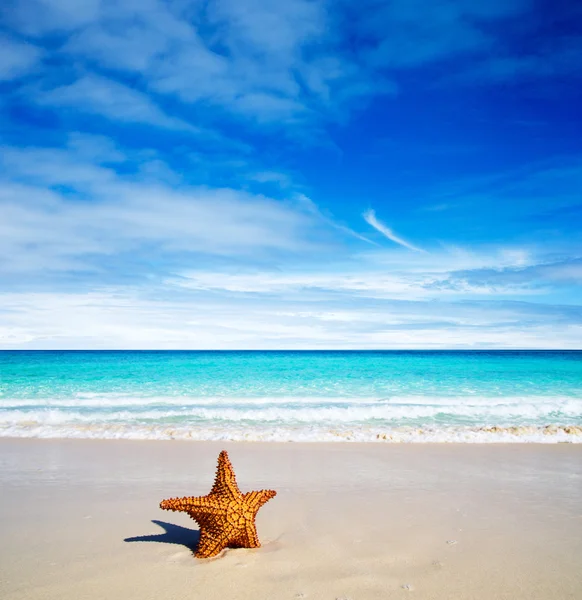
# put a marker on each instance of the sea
(294, 396)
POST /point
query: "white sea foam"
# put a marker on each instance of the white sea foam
(298, 418)
(516, 434)
(120, 400)
(284, 411)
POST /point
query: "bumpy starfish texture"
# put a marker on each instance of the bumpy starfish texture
(226, 516)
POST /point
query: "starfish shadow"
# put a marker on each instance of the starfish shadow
(174, 534)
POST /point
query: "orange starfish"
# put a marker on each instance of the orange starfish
(226, 516)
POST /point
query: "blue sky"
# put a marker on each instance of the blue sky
(299, 174)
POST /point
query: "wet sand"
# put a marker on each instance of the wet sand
(80, 519)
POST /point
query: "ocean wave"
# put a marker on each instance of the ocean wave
(487, 434)
(510, 411)
(121, 400)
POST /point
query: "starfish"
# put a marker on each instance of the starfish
(226, 516)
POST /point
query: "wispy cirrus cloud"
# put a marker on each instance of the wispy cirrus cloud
(371, 219)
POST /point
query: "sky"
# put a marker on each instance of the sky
(250, 174)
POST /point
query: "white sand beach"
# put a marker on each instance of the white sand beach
(80, 519)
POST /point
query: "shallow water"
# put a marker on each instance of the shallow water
(294, 396)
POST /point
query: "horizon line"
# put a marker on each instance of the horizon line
(291, 350)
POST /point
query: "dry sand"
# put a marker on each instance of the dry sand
(357, 521)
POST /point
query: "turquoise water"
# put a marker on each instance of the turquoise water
(407, 396)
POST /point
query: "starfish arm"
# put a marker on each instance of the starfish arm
(251, 539)
(256, 499)
(210, 544)
(225, 480)
(194, 505)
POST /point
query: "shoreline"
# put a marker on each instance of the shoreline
(80, 518)
(486, 434)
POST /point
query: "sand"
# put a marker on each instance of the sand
(80, 519)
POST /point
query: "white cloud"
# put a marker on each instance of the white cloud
(311, 285)
(274, 177)
(94, 149)
(370, 217)
(448, 257)
(453, 297)
(301, 283)
(47, 167)
(102, 213)
(16, 58)
(273, 63)
(110, 99)
(410, 33)
(41, 17)
(278, 63)
(566, 272)
(111, 318)
(39, 227)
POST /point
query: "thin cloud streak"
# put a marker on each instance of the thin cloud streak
(370, 218)
(311, 207)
